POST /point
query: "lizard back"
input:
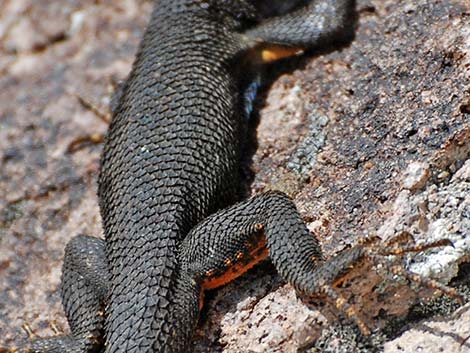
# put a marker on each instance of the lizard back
(170, 159)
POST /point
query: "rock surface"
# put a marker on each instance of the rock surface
(373, 138)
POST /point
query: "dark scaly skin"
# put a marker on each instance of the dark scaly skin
(167, 163)
(170, 160)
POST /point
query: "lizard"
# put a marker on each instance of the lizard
(170, 179)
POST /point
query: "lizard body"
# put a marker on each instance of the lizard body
(172, 158)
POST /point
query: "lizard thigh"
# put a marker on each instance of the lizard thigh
(229, 242)
(84, 289)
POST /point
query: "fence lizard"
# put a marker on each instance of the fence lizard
(170, 176)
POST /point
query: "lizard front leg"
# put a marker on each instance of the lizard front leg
(84, 290)
(316, 25)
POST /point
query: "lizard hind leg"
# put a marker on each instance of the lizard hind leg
(84, 289)
(228, 243)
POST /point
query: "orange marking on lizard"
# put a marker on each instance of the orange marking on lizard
(277, 52)
(257, 253)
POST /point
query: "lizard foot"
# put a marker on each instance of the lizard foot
(386, 256)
